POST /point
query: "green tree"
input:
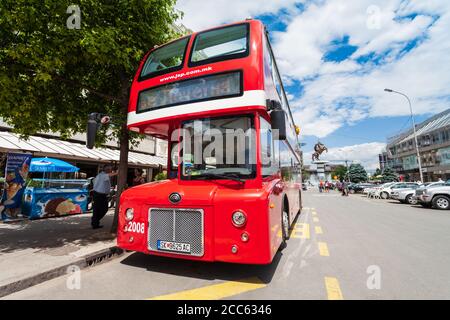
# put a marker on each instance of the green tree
(377, 172)
(305, 174)
(340, 171)
(161, 176)
(376, 175)
(53, 74)
(357, 173)
(389, 175)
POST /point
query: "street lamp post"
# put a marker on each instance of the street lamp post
(414, 130)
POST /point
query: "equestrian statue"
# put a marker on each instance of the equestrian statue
(319, 148)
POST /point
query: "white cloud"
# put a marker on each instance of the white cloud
(366, 154)
(200, 14)
(339, 93)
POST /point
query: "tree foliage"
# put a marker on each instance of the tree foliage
(340, 171)
(389, 175)
(377, 172)
(52, 77)
(357, 173)
(161, 176)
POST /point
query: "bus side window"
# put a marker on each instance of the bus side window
(174, 161)
(268, 152)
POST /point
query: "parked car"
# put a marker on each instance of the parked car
(405, 195)
(359, 187)
(386, 191)
(419, 191)
(374, 188)
(437, 197)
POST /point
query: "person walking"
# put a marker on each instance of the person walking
(101, 191)
(344, 188)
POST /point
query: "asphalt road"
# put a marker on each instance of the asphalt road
(341, 248)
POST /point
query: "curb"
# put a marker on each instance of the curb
(89, 260)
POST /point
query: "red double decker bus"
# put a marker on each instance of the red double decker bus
(234, 180)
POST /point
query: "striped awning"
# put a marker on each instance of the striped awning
(71, 150)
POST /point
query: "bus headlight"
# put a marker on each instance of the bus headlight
(239, 219)
(129, 214)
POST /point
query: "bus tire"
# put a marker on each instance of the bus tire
(300, 205)
(285, 225)
(284, 228)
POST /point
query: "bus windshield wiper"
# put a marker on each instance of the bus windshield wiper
(230, 176)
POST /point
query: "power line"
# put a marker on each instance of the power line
(402, 127)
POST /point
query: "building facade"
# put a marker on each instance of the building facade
(433, 137)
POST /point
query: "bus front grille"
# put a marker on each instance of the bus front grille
(178, 226)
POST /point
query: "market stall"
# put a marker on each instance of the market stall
(49, 197)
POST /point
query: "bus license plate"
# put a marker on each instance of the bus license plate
(174, 246)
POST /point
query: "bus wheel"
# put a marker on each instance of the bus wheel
(285, 225)
(300, 204)
(284, 230)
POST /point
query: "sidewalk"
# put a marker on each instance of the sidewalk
(35, 251)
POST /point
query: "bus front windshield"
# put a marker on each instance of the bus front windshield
(165, 59)
(218, 148)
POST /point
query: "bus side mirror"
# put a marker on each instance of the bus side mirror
(92, 126)
(95, 121)
(278, 119)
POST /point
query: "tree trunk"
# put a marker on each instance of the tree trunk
(124, 146)
(123, 172)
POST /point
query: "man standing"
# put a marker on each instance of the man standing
(101, 190)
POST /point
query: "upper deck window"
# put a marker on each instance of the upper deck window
(220, 44)
(165, 59)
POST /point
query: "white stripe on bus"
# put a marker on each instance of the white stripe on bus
(249, 98)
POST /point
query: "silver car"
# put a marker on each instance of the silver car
(404, 195)
(419, 191)
(436, 197)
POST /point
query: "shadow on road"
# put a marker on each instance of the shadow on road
(396, 202)
(52, 233)
(203, 270)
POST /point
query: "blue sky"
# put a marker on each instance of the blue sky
(364, 131)
(337, 56)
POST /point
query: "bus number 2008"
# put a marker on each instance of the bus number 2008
(135, 227)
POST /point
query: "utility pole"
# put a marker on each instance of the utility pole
(414, 130)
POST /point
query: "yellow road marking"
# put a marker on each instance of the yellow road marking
(333, 289)
(279, 234)
(315, 219)
(314, 213)
(215, 291)
(323, 249)
(301, 231)
(318, 230)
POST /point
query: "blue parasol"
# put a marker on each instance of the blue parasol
(51, 165)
